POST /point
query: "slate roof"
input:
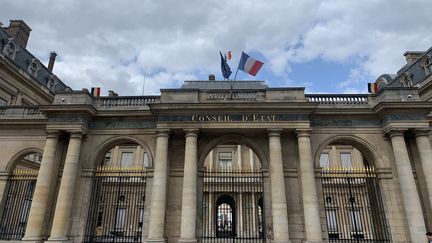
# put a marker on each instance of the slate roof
(22, 60)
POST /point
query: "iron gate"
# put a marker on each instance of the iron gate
(233, 208)
(116, 212)
(20, 189)
(353, 206)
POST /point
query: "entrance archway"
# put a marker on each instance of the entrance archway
(116, 211)
(351, 193)
(233, 191)
(19, 192)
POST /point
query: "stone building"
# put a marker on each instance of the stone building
(212, 161)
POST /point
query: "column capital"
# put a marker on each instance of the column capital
(163, 132)
(274, 132)
(303, 132)
(396, 132)
(52, 133)
(422, 132)
(191, 132)
(76, 135)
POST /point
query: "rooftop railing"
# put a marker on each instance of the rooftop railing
(232, 95)
(128, 101)
(331, 99)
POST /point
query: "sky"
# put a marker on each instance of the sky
(327, 46)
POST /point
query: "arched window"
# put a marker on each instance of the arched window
(33, 68)
(428, 66)
(406, 80)
(52, 83)
(10, 49)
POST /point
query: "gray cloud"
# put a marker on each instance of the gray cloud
(108, 43)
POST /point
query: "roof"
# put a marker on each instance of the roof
(22, 60)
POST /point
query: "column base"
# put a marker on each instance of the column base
(59, 240)
(156, 240)
(187, 241)
(32, 239)
(281, 241)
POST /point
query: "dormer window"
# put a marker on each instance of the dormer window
(10, 49)
(406, 80)
(428, 66)
(33, 68)
(52, 83)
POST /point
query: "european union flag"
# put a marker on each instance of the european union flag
(226, 71)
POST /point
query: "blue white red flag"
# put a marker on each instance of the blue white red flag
(249, 65)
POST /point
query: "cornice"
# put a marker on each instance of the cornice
(400, 105)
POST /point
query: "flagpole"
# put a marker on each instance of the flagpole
(145, 69)
(235, 77)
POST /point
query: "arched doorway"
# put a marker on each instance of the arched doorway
(233, 205)
(351, 194)
(225, 216)
(19, 194)
(116, 212)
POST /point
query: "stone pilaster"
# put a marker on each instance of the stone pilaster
(277, 181)
(189, 199)
(61, 224)
(425, 152)
(159, 189)
(45, 183)
(308, 186)
(410, 197)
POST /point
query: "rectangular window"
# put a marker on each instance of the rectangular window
(225, 161)
(324, 161)
(356, 224)
(99, 219)
(107, 159)
(120, 219)
(140, 218)
(145, 160)
(331, 220)
(346, 160)
(126, 159)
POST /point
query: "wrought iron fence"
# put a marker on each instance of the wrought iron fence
(116, 212)
(233, 207)
(19, 194)
(353, 206)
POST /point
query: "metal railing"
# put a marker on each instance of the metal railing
(346, 99)
(19, 195)
(116, 212)
(233, 207)
(353, 206)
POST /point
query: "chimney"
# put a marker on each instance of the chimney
(19, 31)
(51, 61)
(412, 56)
(111, 93)
(212, 77)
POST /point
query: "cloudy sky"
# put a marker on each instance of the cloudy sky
(327, 46)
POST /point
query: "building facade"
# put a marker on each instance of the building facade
(213, 161)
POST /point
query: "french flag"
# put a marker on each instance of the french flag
(249, 65)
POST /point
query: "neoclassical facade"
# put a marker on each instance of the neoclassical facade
(218, 161)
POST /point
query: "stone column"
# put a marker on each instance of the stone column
(158, 196)
(425, 152)
(45, 184)
(308, 186)
(61, 223)
(410, 197)
(277, 181)
(189, 198)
